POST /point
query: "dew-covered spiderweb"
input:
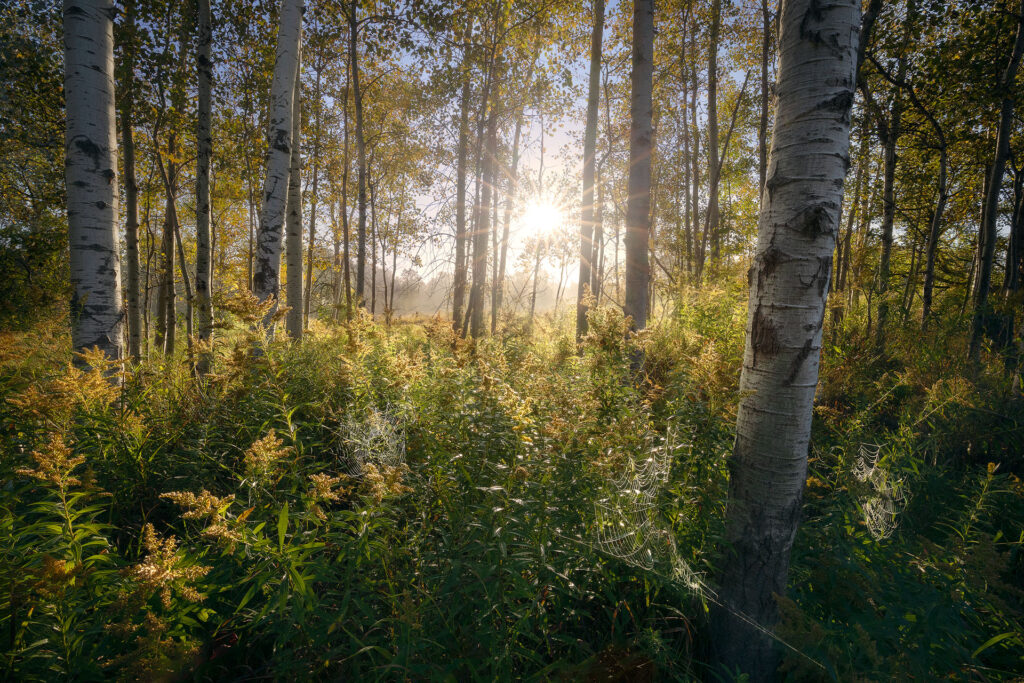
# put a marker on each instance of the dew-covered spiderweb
(886, 497)
(629, 526)
(376, 437)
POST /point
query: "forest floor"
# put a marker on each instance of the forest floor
(392, 503)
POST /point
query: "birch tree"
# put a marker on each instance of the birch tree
(788, 282)
(266, 278)
(641, 134)
(204, 144)
(97, 315)
(987, 233)
(587, 247)
(293, 220)
(131, 225)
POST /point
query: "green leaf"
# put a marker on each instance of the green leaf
(992, 641)
(282, 526)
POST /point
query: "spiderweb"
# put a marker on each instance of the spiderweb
(376, 438)
(887, 497)
(629, 526)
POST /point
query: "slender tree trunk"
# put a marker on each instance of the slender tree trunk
(186, 282)
(459, 284)
(700, 242)
(204, 145)
(589, 163)
(373, 247)
(987, 233)
(344, 208)
(762, 124)
(357, 97)
(641, 134)
(714, 163)
(476, 292)
(308, 290)
(788, 285)
(167, 319)
(536, 273)
(843, 248)
(131, 227)
(598, 267)
(97, 315)
(267, 278)
(1015, 248)
(293, 219)
(932, 247)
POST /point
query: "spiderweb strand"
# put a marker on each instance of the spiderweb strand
(888, 498)
(377, 438)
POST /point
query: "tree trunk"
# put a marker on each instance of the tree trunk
(931, 248)
(373, 248)
(762, 125)
(357, 97)
(641, 133)
(308, 290)
(843, 247)
(167, 316)
(344, 208)
(788, 284)
(589, 163)
(293, 220)
(97, 315)
(714, 163)
(267, 278)
(204, 146)
(987, 233)
(481, 233)
(131, 227)
(459, 284)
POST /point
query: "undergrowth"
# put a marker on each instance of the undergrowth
(394, 503)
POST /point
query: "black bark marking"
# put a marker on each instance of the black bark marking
(89, 149)
(840, 102)
(101, 205)
(764, 336)
(810, 27)
(282, 140)
(798, 362)
(813, 221)
(820, 276)
(776, 181)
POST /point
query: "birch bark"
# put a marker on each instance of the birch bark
(293, 220)
(641, 135)
(267, 275)
(788, 281)
(204, 144)
(97, 314)
(587, 248)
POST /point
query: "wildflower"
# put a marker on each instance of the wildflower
(385, 480)
(205, 505)
(55, 576)
(264, 455)
(163, 570)
(326, 489)
(54, 464)
(201, 506)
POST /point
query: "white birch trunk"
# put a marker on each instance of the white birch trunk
(267, 275)
(788, 284)
(204, 143)
(641, 138)
(293, 237)
(97, 314)
(587, 248)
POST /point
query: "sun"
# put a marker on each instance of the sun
(541, 217)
